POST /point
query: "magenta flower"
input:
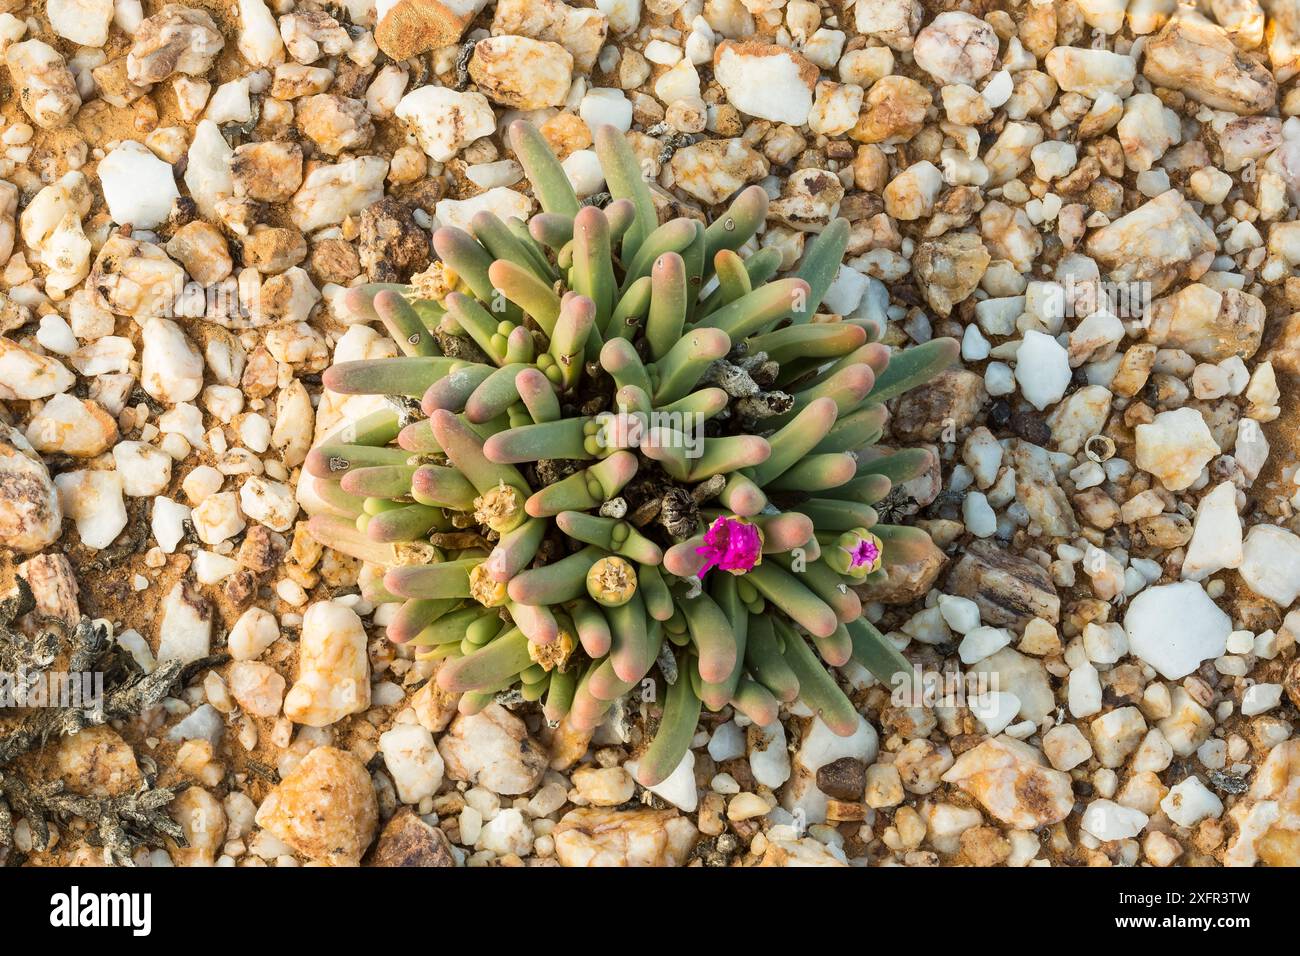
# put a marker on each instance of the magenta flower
(731, 544)
(864, 550)
(867, 552)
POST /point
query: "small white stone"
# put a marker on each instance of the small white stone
(1107, 820)
(974, 346)
(1251, 448)
(93, 499)
(997, 316)
(506, 833)
(1216, 536)
(1147, 129)
(978, 515)
(836, 108)
(329, 194)
(1116, 734)
(135, 645)
(821, 745)
(956, 47)
(26, 376)
(1175, 447)
(71, 426)
(183, 420)
(998, 89)
(291, 592)
(1090, 72)
(1084, 692)
(446, 121)
(1042, 369)
(927, 626)
(1104, 644)
(50, 91)
(1260, 698)
(138, 186)
(202, 482)
(253, 633)
(412, 760)
(981, 642)
(1188, 724)
(217, 518)
(505, 172)
(145, 469)
(1066, 747)
(679, 786)
(662, 53)
(1154, 754)
(191, 95)
(259, 39)
(255, 432)
(995, 710)
(961, 614)
(1270, 563)
(66, 254)
(623, 15)
(1053, 159)
(470, 824)
(171, 368)
(604, 786)
(998, 379)
(912, 193)
(230, 103)
(603, 106)
(271, 503)
(770, 762)
(185, 627)
(583, 169)
(168, 523)
(846, 291)
(521, 72)
(1189, 802)
(1241, 642)
(1211, 186)
(258, 688)
(1174, 627)
(727, 742)
(724, 783)
(501, 201)
(84, 22)
(223, 402)
(770, 83)
(212, 568)
(983, 454)
(333, 667)
(55, 335)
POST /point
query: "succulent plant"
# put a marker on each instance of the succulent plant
(637, 455)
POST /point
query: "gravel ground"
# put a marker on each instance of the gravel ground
(1097, 197)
